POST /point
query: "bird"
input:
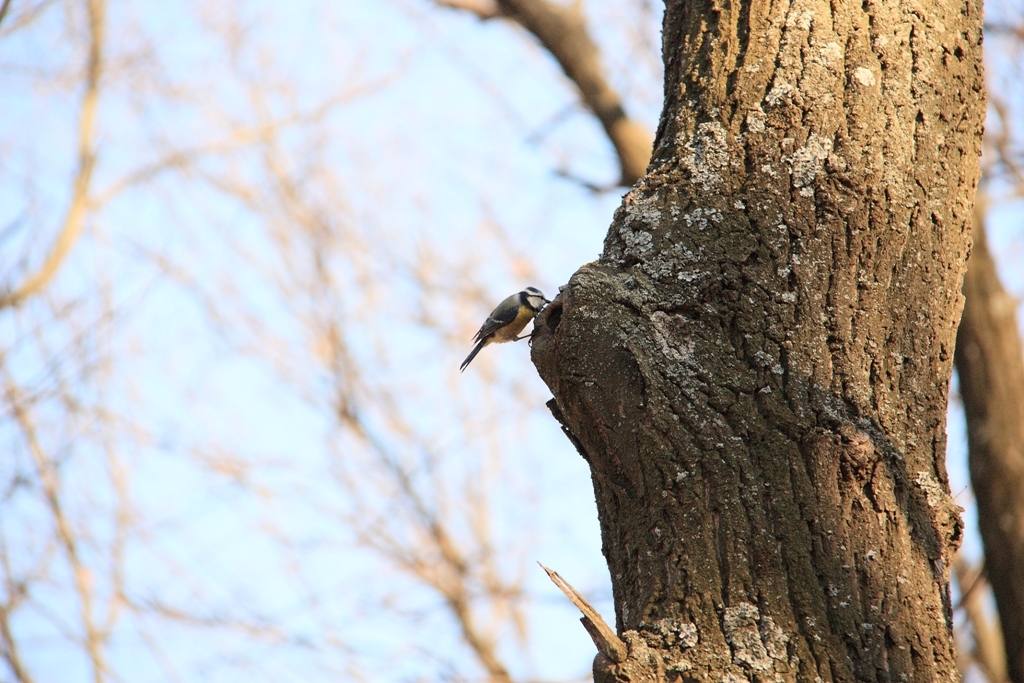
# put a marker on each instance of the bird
(507, 320)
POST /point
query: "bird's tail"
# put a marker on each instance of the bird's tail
(472, 355)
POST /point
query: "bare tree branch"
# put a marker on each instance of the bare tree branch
(74, 219)
(988, 639)
(45, 471)
(563, 33)
(3, 10)
(26, 17)
(10, 650)
(974, 580)
(485, 9)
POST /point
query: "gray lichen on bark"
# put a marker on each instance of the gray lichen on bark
(756, 369)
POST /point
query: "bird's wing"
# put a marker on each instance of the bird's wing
(496, 320)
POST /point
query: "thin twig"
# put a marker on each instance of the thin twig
(979, 576)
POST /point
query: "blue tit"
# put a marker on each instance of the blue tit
(507, 320)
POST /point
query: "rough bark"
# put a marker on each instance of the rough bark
(757, 368)
(990, 363)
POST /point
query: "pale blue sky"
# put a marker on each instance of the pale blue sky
(444, 139)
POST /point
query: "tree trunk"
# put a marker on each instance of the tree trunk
(991, 368)
(757, 368)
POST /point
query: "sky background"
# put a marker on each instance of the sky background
(275, 183)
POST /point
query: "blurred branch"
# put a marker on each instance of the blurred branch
(990, 366)
(75, 217)
(988, 641)
(1013, 30)
(10, 652)
(437, 560)
(27, 15)
(1001, 144)
(977, 578)
(3, 10)
(562, 31)
(485, 9)
(582, 182)
(48, 479)
(239, 138)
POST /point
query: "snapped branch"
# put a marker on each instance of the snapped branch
(607, 641)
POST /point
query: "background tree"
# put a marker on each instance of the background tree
(991, 374)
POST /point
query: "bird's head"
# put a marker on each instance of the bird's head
(533, 298)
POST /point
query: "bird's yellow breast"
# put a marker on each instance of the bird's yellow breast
(512, 330)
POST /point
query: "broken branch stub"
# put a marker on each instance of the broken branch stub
(608, 643)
